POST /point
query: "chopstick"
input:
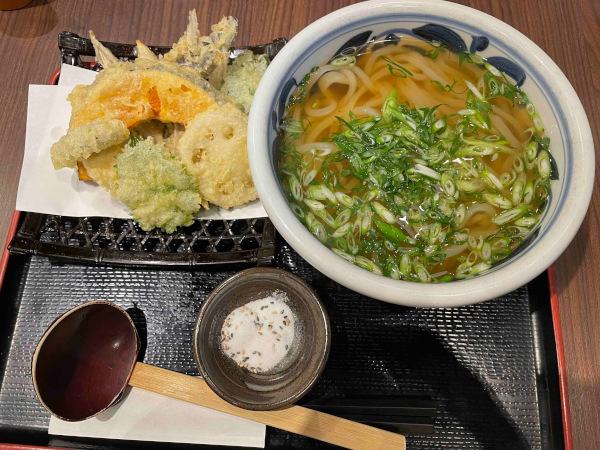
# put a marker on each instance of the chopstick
(403, 414)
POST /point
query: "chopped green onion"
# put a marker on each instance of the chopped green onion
(511, 214)
(297, 210)
(472, 257)
(394, 272)
(469, 271)
(344, 199)
(405, 265)
(448, 184)
(508, 178)
(491, 179)
(422, 273)
(384, 213)
(527, 221)
(314, 205)
(307, 178)
(528, 192)
(474, 90)
(326, 217)
(366, 222)
(519, 164)
(470, 186)
(296, 188)
(517, 192)
(342, 231)
(543, 163)
(459, 214)
(426, 171)
(365, 263)
(344, 255)
(498, 201)
(321, 192)
(372, 194)
(343, 217)
(393, 234)
(438, 125)
(531, 151)
(486, 252)
(344, 61)
(315, 227)
(493, 70)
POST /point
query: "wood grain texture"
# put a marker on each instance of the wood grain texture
(296, 419)
(568, 30)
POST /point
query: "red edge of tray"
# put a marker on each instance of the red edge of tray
(560, 353)
(12, 230)
(25, 447)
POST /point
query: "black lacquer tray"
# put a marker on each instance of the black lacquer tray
(487, 374)
(489, 371)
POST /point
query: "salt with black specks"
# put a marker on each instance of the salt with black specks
(259, 334)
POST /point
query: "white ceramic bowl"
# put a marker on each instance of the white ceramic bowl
(464, 28)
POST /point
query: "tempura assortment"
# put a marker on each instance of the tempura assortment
(166, 135)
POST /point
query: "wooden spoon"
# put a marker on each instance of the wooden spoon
(86, 359)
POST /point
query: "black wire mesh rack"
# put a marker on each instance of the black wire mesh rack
(122, 241)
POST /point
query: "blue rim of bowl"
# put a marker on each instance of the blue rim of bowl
(513, 54)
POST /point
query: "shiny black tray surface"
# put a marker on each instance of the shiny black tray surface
(488, 368)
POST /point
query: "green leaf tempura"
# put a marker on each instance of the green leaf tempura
(156, 187)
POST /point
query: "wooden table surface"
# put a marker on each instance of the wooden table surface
(568, 30)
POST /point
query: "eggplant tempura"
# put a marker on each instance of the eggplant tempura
(159, 135)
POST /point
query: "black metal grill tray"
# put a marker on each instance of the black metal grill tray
(74, 49)
(122, 242)
(489, 368)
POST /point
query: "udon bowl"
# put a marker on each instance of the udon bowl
(460, 28)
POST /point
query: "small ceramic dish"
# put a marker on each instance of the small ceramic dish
(301, 367)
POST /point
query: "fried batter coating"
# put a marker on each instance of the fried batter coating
(213, 150)
(203, 53)
(156, 187)
(172, 88)
(103, 55)
(242, 78)
(143, 52)
(162, 133)
(133, 96)
(86, 139)
(100, 167)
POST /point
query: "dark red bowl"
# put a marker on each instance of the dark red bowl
(83, 362)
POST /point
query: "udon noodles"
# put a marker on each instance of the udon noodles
(414, 162)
